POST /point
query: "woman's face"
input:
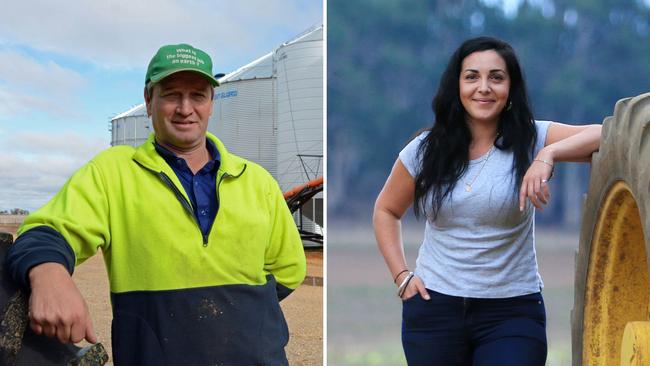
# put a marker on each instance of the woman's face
(484, 86)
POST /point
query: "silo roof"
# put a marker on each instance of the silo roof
(312, 34)
(137, 111)
(263, 66)
(260, 68)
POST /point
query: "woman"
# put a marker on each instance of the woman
(474, 297)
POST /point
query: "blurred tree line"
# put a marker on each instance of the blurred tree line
(385, 59)
(14, 211)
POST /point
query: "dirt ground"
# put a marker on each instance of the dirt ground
(303, 309)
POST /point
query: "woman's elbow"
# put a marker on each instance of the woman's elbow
(597, 133)
(378, 211)
(597, 129)
(382, 212)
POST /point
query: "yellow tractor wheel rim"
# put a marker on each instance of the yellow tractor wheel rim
(617, 279)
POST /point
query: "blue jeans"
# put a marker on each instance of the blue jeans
(450, 330)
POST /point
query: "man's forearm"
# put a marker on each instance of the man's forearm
(39, 245)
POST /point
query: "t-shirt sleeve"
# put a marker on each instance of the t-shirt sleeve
(542, 129)
(409, 155)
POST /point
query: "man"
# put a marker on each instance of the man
(199, 244)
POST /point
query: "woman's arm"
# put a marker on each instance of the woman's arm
(393, 201)
(563, 143)
(570, 143)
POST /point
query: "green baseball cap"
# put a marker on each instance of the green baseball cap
(173, 58)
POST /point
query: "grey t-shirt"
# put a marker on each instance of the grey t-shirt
(480, 245)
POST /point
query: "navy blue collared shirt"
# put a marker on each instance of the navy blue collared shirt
(200, 187)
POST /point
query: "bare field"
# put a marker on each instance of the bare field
(364, 315)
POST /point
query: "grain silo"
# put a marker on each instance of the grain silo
(131, 127)
(299, 93)
(271, 111)
(244, 113)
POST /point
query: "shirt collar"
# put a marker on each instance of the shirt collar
(173, 159)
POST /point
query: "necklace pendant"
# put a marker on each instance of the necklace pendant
(468, 188)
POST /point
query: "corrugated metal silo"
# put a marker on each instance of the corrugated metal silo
(299, 90)
(131, 127)
(244, 113)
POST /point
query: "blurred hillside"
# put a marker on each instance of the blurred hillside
(385, 60)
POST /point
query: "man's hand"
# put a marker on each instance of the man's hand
(56, 308)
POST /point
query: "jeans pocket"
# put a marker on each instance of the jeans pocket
(412, 298)
(438, 314)
(532, 306)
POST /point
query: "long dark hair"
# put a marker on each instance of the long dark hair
(444, 151)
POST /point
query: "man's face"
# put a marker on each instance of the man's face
(180, 106)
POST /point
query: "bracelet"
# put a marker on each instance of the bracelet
(547, 163)
(401, 290)
(397, 275)
(544, 161)
(402, 286)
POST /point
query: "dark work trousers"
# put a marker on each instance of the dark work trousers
(451, 330)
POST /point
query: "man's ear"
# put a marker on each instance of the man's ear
(147, 100)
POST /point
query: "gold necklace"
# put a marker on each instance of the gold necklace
(468, 185)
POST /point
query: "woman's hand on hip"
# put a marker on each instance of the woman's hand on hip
(415, 287)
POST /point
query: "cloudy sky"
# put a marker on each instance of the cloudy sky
(67, 67)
